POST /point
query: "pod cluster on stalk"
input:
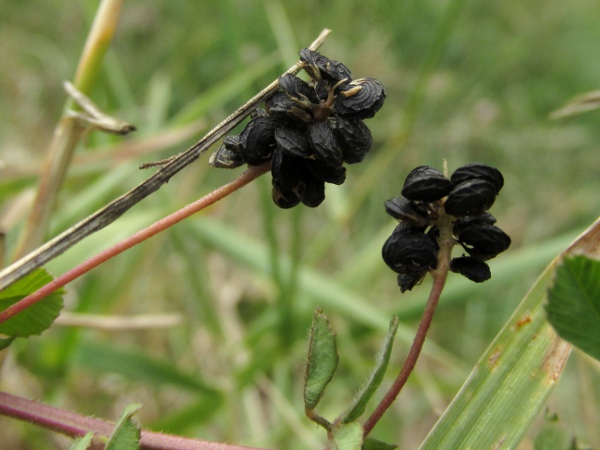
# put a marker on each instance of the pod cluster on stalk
(308, 130)
(427, 196)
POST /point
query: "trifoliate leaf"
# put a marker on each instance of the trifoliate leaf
(347, 437)
(37, 317)
(126, 435)
(365, 394)
(322, 359)
(83, 443)
(574, 303)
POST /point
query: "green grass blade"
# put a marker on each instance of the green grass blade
(509, 384)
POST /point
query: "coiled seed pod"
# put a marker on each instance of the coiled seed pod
(328, 174)
(469, 221)
(324, 69)
(470, 197)
(354, 138)
(484, 241)
(298, 89)
(287, 170)
(478, 171)
(257, 140)
(314, 191)
(360, 99)
(474, 269)
(283, 109)
(284, 198)
(409, 251)
(228, 155)
(403, 209)
(324, 144)
(426, 184)
(294, 141)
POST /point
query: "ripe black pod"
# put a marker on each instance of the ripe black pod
(478, 171)
(354, 138)
(298, 89)
(407, 281)
(403, 209)
(228, 155)
(409, 251)
(360, 99)
(470, 197)
(484, 241)
(293, 140)
(324, 69)
(257, 140)
(283, 109)
(426, 184)
(473, 269)
(324, 144)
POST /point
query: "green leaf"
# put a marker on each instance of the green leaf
(347, 437)
(510, 383)
(126, 435)
(322, 359)
(365, 394)
(574, 303)
(37, 317)
(83, 443)
(374, 444)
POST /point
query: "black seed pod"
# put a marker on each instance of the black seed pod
(484, 241)
(469, 221)
(284, 198)
(283, 109)
(408, 281)
(324, 144)
(293, 140)
(473, 269)
(257, 140)
(298, 89)
(328, 174)
(426, 184)
(409, 251)
(287, 170)
(314, 191)
(354, 138)
(360, 99)
(478, 171)
(403, 209)
(324, 69)
(228, 155)
(470, 197)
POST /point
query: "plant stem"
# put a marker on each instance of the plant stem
(252, 173)
(445, 242)
(68, 131)
(116, 208)
(76, 425)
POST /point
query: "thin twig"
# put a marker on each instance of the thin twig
(440, 274)
(115, 209)
(252, 173)
(118, 323)
(76, 425)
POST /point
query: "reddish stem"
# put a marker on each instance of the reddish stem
(252, 173)
(445, 242)
(76, 425)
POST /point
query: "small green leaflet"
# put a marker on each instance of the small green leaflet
(383, 357)
(126, 435)
(574, 303)
(322, 359)
(347, 437)
(83, 443)
(39, 316)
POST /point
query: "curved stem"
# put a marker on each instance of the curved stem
(252, 173)
(446, 242)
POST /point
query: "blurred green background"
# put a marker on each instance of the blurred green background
(466, 81)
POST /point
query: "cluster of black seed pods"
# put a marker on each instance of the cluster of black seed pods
(308, 130)
(412, 249)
